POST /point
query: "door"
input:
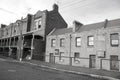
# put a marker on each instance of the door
(114, 63)
(92, 61)
(51, 59)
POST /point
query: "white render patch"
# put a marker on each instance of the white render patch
(11, 70)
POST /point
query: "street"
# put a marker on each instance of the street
(22, 71)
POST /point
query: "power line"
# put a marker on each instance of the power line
(72, 3)
(2, 9)
(75, 8)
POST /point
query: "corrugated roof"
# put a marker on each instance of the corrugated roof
(61, 31)
(110, 23)
(113, 23)
(88, 27)
(91, 27)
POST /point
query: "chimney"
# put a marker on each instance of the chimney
(55, 7)
(106, 22)
(3, 25)
(76, 25)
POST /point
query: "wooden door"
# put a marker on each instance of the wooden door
(92, 61)
(114, 63)
(51, 58)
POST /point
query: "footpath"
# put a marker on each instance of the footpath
(110, 75)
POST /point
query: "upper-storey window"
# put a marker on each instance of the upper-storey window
(62, 42)
(78, 41)
(15, 29)
(38, 23)
(90, 40)
(35, 25)
(6, 31)
(53, 43)
(114, 39)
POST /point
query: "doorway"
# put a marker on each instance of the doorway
(92, 61)
(51, 59)
(114, 63)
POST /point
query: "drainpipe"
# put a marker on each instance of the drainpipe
(32, 45)
(70, 52)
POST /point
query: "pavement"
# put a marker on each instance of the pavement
(109, 75)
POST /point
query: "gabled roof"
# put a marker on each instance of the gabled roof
(38, 14)
(61, 31)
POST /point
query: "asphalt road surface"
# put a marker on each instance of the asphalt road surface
(22, 71)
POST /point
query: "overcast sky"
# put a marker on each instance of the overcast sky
(85, 11)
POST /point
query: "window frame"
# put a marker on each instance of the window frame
(76, 57)
(88, 41)
(62, 42)
(111, 40)
(39, 24)
(76, 42)
(35, 25)
(53, 44)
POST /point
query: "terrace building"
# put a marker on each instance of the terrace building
(26, 37)
(93, 46)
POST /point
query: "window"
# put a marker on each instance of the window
(35, 25)
(6, 31)
(62, 42)
(78, 41)
(53, 43)
(61, 55)
(76, 55)
(15, 29)
(114, 39)
(39, 24)
(90, 41)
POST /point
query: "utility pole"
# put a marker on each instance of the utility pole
(20, 43)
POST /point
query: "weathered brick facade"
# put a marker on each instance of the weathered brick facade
(102, 53)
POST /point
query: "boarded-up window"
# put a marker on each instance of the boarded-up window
(114, 39)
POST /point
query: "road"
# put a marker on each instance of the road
(22, 71)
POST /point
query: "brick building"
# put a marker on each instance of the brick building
(93, 46)
(26, 38)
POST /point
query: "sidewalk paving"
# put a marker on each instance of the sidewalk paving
(80, 70)
(111, 75)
